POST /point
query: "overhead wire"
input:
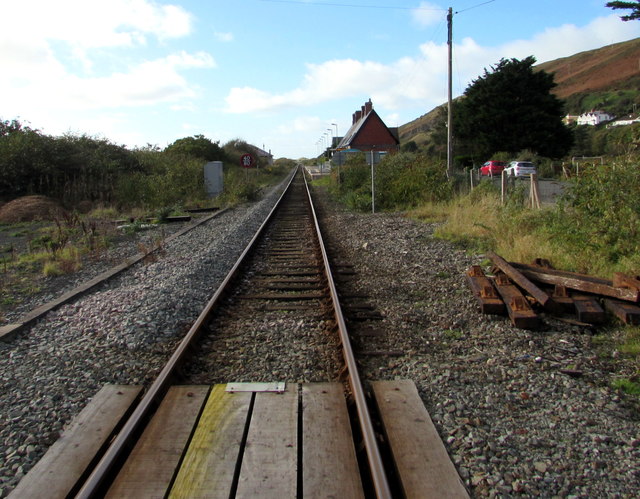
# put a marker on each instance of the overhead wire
(357, 6)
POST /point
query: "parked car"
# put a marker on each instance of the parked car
(520, 169)
(492, 168)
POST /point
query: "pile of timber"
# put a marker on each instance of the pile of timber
(525, 292)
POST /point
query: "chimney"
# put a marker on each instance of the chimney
(364, 113)
(353, 119)
(368, 106)
(358, 115)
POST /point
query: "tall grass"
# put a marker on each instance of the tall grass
(594, 229)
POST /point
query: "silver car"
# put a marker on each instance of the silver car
(520, 169)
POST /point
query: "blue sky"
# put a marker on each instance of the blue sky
(283, 74)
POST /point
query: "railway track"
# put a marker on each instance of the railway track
(284, 267)
(280, 289)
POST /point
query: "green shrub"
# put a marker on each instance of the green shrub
(601, 212)
(401, 181)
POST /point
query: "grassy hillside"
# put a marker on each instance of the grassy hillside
(607, 78)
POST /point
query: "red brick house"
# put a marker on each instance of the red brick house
(367, 133)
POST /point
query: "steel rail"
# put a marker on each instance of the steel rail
(376, 466)
(96, 480)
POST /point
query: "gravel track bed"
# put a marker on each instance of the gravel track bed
(512, 423)
(123, 333)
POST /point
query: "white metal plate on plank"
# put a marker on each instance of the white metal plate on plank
(278, 386)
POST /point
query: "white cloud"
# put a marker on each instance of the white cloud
(569, 39)
(96, 23)
(147, 83)
(223, 37)
(48, 59)
(422, 79)
(428, 14)
(301, 124)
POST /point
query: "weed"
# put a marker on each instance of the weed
(51, 269)
(627, 386)
(631, 343)
(149, 256)
(104, 213)
(136, 227)
(430, 212)
(442, 275)
(453, 334)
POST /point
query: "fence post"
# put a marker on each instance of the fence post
(534, 193)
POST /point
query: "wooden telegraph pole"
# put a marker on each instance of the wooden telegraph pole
(449, 97)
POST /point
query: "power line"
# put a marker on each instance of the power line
(331, 4)
(474, 7)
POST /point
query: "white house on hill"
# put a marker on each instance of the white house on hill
(594, 118)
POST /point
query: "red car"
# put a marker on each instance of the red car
(492, 168)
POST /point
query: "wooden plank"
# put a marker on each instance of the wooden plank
(210, 462)
(485, 293)
(329, 463)
(579, 282)
(518, 308)
(626, 312)
(269, 464)
(626, 281)
(561, 297)
(81, 444)
(588, 309)
(521, 280)
(424, 467)
(154, 460)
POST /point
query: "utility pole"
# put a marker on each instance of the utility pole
(449, 98)
(373, 188)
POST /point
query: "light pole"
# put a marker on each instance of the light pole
(335, 125)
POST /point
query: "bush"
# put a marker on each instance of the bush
(402, 181)
(168, 180)
(600, 213)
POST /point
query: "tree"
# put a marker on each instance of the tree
(511, 108)
(634, 6)
(197, 146)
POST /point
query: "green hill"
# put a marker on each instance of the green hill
(607, 78)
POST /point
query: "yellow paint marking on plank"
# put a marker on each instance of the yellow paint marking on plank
(209, 464)
(154, 460)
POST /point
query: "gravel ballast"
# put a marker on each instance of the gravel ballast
(513, 423)
(123, 332)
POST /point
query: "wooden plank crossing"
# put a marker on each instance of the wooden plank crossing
(69, 458)
(151, 466)
(269, 465)
(210, 462)
(418, 452)
(326, 439)
(212, 442)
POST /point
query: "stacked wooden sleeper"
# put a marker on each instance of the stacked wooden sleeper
(523, 291)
